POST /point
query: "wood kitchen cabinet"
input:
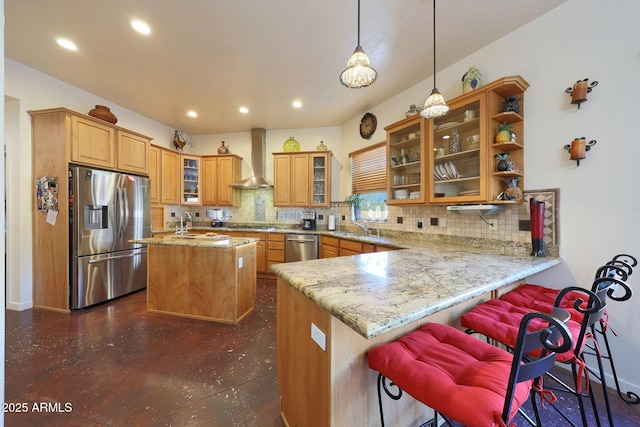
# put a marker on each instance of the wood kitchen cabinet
(164, 170)
(302, 179)
(92, 142)
(275, 249)
(218, 173)
(133, 152)
(332, 247)
(261, 258)
(458, 162)
(467, 173)
(329, 247)
(155, 174)
(98, 143)
(170, 173)
(406, 160)
(190, 180)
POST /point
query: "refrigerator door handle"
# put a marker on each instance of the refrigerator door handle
(121, 214)
(110, 258)
(125, 211)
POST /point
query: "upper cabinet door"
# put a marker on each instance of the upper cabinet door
(320, 179)
(300, 180)
(281, 180)
(133, 153)
(406, 159)
(209, 181)
(229, 172)
(170, 172)
(92, 143)
(155, 173)
(190, 179)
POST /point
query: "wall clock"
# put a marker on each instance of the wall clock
(368, 125)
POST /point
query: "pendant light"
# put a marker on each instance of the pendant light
(358, 72)
(435, 105)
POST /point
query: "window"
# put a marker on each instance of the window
(369, 180)
(369, 169)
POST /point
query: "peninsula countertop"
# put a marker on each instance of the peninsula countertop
(377, 292)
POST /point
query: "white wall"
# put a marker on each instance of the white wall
(598, 200)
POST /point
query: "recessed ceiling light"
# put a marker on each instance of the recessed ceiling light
(67, 44)
(296, 104)
(243, 110)
(141, 27)
(192, 114)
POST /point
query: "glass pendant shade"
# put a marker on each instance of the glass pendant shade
(358, 72)
(435, 106)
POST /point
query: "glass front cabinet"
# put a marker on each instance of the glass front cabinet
(320, 179)
(458, 152)
(406, 161)
(190, 180)
(461, 158)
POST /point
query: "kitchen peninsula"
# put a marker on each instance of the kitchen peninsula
(331, 312)
(210, 277)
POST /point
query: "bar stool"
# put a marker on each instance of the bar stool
(468, 380)
(498, 319)
(536, 297)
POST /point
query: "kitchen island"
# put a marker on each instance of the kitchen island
(210, 277)
(331, 312)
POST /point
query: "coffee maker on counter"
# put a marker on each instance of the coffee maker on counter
(308, 221)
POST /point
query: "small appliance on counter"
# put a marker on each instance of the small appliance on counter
(217, 218)
(308, 221)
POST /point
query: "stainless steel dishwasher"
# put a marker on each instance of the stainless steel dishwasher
(301, 247)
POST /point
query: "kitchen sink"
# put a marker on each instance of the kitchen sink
(345, 233)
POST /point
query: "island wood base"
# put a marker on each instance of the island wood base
(336, 387)
(202, 282)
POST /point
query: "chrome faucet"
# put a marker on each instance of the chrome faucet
(364, 227)
(184, 226)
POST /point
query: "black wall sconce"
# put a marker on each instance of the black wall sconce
(580, 90)
(578, 148)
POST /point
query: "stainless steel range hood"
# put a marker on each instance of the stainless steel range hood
(258, 162)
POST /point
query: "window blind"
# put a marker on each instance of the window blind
(369, 169)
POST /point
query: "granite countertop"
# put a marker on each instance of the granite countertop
(377, 292)
(199, 241)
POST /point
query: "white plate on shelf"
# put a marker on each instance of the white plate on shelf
(447, 168)
(442, 171)
(453, 170)
(447, 125)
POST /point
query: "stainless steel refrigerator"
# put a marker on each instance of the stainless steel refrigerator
(106, 209)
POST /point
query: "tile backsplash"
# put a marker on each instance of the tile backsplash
(511, 224)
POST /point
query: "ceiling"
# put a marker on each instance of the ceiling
(215, 56)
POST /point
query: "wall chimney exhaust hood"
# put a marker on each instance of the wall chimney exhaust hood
(476, 210)
(258, 162)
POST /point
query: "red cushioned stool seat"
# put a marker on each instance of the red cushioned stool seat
(541, 298)
(499, 320)
(458, 375)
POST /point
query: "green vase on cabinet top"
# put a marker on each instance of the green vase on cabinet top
(291, 145)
